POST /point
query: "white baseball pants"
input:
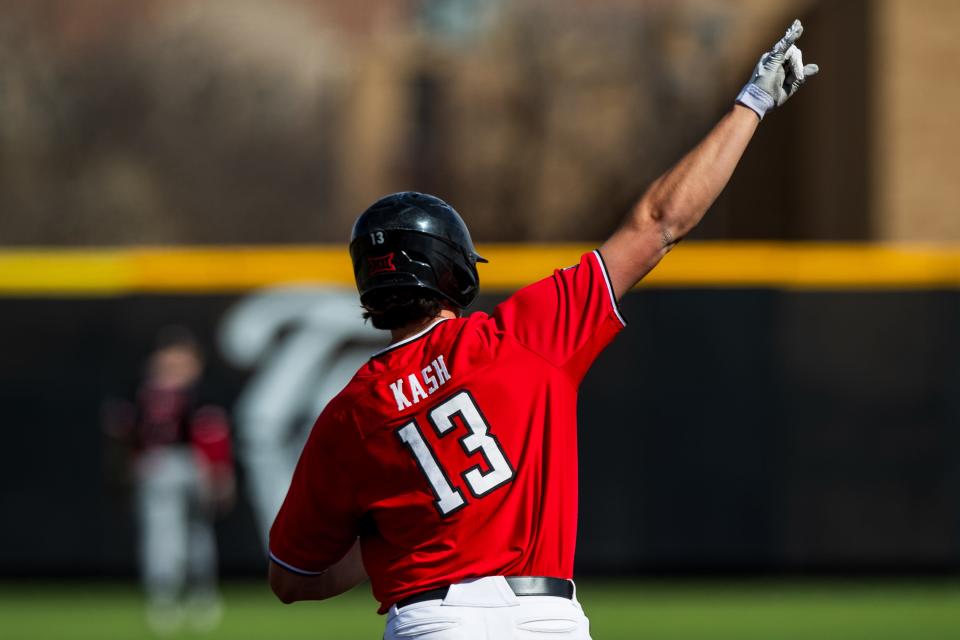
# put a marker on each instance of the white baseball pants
(487, 608)
(177, 543)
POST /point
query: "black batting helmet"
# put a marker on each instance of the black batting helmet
(414, 240)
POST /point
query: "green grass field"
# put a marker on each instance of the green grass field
(660, 611)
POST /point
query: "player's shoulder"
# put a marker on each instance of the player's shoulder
(572, 280)
(336, 420)
(335, 433)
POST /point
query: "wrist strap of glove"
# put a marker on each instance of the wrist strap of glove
(756, 99)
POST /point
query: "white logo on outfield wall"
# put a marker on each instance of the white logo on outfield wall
(303, 345)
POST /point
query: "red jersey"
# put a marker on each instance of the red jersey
(453, 454)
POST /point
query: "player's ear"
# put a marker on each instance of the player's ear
(449, 306)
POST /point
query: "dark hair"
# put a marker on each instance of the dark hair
(395, 308)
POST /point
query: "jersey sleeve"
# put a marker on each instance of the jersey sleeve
(567, 318)
(317, 523)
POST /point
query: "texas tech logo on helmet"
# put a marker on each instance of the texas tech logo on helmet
(380, 264)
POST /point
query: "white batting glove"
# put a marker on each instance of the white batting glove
(778, 76)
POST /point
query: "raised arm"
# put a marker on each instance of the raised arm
(678, 200)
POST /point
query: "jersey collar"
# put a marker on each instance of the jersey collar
(416, 336)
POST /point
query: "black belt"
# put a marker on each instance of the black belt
(521, 586)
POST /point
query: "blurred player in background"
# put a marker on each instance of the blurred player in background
(447, 468)
(179, 456)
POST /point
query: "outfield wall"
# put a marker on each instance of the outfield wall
(794, 408)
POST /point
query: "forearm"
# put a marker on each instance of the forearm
(347, 573)
(678, 200)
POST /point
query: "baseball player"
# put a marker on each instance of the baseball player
(183, 471)
(446, 470)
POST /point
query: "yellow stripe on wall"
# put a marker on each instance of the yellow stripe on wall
(224, 269)
(70, 272)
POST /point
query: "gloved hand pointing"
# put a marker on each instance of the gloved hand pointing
(779, 74)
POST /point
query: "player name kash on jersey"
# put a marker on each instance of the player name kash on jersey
(433, 376)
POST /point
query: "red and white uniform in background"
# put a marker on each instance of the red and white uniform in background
(453, 454)
(182, 462)
(171, 417)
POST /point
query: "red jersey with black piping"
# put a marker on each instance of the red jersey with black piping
(453, 454)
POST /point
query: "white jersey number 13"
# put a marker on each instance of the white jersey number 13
(449, 498)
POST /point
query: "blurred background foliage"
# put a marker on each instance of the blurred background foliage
(240, 121)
